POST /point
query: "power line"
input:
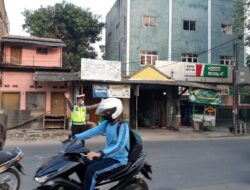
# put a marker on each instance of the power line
(215, 47)
(199, 53)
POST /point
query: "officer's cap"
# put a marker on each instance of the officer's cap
(80, 96)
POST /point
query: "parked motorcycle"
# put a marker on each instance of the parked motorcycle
(57, 172)
(9, 167)
(2, 133)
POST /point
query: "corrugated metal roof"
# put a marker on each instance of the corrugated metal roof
(164, 83)
(176, 83)
(51, 42)
(22, 68)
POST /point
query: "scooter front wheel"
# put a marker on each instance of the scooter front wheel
(139, 184)
(10, 180)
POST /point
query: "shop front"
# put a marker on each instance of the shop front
(204, 107)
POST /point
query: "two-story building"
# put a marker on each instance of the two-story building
(32, 80)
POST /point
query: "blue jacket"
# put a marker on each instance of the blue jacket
(115, 147)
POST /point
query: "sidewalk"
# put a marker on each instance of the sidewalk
(56, 135)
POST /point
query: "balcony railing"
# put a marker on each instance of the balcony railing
(36, 61)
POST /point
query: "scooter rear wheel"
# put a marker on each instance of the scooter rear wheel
(10, 179)
(139, 184)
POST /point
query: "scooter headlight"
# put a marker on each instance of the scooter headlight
(41, 179)
(44, 178)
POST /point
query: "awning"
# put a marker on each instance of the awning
(186, 84)
(6, 67)
(50, 42)
(55, 76)
(175, 83)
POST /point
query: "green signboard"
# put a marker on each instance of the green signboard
(215, 71)
(206, 97)
(206, 70)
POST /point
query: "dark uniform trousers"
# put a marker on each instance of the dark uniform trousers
(76, 129)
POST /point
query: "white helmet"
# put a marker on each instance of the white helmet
(110, 108)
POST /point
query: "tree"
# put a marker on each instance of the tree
(239, 17)
(77, 27)
(241, 25)
(103, 50)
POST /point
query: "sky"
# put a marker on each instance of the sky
(14, 9)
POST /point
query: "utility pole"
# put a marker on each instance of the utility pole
(235, 88)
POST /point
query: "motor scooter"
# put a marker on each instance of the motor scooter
(57, 173)
(10, 168)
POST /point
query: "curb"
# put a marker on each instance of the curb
(147, 135)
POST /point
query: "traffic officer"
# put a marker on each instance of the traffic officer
(78, 113)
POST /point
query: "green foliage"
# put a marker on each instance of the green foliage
(242, 23)
(103, 50)
(239, 17)
(77, 27)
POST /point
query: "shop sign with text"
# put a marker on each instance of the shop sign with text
(111, 91)
(206, 70)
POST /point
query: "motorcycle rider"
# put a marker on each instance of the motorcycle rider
(115, 153)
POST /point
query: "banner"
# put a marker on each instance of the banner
(100, 91)
(226, 90)
(111, 91)
(207, 97)
(92, 69)
(206, 70)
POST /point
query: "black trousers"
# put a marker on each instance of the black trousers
(76, 129)
(98, 168)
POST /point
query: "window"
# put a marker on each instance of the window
(227, 29)
(148, 57)
(226, 60)
(189, 57)
(35, 101)
(189, 25)
(149, 21)
(43, 51)
(245, 99)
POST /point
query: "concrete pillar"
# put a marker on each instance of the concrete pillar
(126, 110)
(48, 100)
(209, 61)
(23, 100)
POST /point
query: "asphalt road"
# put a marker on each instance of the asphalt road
(211, 164)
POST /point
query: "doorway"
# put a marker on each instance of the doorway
(10, 101)
(152, 108)
(16, 55)
(186, 113)
(58, 103)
